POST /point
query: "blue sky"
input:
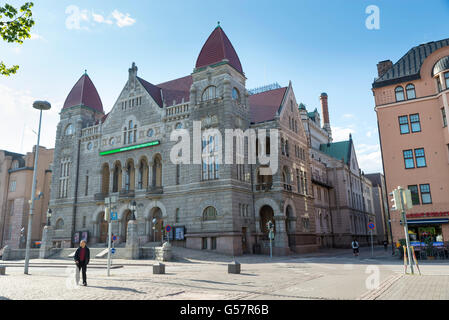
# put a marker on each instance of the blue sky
(321, 46)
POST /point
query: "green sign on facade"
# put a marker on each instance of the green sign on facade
(139, 146)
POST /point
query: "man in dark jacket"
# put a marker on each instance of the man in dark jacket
(82, 258)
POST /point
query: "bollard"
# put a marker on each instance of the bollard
(2, 270)
(159, 268)
(234, 268)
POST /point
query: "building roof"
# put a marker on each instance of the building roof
(175, 91)
(171, 92)
(441, 65)
(409, 66)
(84, 93)
(265, 105)
(375, 178)
(338, 150)
(216, 49)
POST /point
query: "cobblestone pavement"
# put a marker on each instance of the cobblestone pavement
(202, 275)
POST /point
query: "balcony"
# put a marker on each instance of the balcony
(288, 187)
(123, 194)
(264, 187)
(155, 190)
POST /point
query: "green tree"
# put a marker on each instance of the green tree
(15, 26)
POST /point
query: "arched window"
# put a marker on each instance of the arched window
(143, 174)
(210, 213)
(117, 178)
(59, 224)
(411, 94)
(150, 133)
(130, 176)
(157, 171)
(69, 130)
(235, 94)
(399, 94)
(209, 93)
(105, 179)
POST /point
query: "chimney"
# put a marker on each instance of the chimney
(383, 67)
(325, 113)
(132, 75)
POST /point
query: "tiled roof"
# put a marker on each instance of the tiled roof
(153, 90)
(217, 48)
(84, 93)
(176, 90)
(264, 106)
(171, 92)
(338, 150)
(409, 66)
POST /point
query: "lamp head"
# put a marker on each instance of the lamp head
(42, 105)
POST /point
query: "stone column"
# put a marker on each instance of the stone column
(47, 242)
(132, 241)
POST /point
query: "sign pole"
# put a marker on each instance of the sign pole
(404, 220)
(372, 244)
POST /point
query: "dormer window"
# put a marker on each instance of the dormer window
(209, 93)
(69, 130)
(411, 94)
(399, 94)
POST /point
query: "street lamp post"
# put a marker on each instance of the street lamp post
(39, 105)
(154, 229)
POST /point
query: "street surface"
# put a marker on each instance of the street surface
(201, 275)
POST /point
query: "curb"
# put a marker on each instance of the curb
(374, 294)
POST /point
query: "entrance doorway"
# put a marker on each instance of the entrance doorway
(156, 213)
(266, 214)
(127, 216)
(103, 229)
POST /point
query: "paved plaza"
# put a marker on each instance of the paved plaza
(203, 276)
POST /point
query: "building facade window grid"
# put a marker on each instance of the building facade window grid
(420, 158)
(415, 123)
(411, 94)
(408, 159)
(426, 197)
(403, 123)
(399, 91)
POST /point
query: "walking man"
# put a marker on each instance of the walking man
(82, 257)
(355, 248)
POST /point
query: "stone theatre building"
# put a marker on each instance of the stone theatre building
(126, 153)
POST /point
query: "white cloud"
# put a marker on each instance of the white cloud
(78, 18)
(122, 20)
(100, 19)
(341, 134)
(369, 157)
(35, 36)
(348, 116)
(372, 132)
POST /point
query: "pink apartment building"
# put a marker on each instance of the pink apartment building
(411, 99)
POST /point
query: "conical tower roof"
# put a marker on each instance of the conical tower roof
(216, 49)
(84, 93)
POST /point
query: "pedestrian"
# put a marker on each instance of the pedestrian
(386, 245)
(355, 248)
(82, 258)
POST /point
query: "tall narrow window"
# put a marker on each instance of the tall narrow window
(86, 193)
(399, 94)
(411, 94)
(64, 178)
(420, 158)
(403, 123)
(443, 113)
(408, 159)
(415, 195)
(440, 88)
(415, 123)
(426, 198)
(446, 77)
(210, 158)
(178, 173)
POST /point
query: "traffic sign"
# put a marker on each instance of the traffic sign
(113, 250)
(371, 225)
(114, 216)
(168, 228)
(114, 238)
